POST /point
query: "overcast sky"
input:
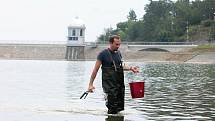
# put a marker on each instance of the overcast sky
(47, 20)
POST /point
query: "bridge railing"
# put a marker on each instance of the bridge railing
(95, 44)
(158, 43)
(31, 42)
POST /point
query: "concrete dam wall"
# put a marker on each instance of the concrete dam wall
(64, 52)
(32, 51)
(52, 51)
(47, 52)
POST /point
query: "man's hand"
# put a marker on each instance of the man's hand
(134, 69)
(91, 88)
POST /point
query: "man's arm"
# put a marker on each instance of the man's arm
(93, 75)
(131, 68)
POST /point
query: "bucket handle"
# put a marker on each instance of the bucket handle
(134, 75)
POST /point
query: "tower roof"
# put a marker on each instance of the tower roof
(77, 23)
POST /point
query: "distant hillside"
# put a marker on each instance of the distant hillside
(202, 33)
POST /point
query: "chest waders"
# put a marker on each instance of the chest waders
(113, 86)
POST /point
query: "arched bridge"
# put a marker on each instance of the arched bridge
(150, 46)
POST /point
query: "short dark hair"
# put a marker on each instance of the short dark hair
(113, 37)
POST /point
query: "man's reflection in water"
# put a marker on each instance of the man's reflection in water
(115, 118)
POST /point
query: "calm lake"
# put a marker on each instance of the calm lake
(35, 90)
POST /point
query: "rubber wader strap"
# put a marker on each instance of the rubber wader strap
(120, 57)
(112, 60)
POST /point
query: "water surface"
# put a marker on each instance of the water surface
(50, 90)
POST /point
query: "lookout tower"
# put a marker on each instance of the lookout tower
(75, 40)
(76, 32)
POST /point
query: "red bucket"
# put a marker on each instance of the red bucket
(137, 89)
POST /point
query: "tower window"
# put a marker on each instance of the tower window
(73, 38)
(81, 32)
(73, 32)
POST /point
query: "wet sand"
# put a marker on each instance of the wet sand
(159, 57)
(207, 58)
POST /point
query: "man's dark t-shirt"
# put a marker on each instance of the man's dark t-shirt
(105, 57)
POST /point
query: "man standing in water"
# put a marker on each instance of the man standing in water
(112, 75)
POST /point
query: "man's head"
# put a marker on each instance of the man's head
(114, 42)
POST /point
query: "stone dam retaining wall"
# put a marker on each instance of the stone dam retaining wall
(60, 52)
(29, 51)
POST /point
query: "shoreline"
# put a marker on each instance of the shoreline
(197, 59)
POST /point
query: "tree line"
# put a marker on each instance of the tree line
(165, 21)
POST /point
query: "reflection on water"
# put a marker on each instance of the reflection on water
(114, 118)
(172, 91)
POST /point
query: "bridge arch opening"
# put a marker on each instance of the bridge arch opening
(154, 49)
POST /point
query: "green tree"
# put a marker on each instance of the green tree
(165, 21)
(212, 32)
(103, 38)
(132, 15)
(135, 31)
(208, 9)
(158, 20)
